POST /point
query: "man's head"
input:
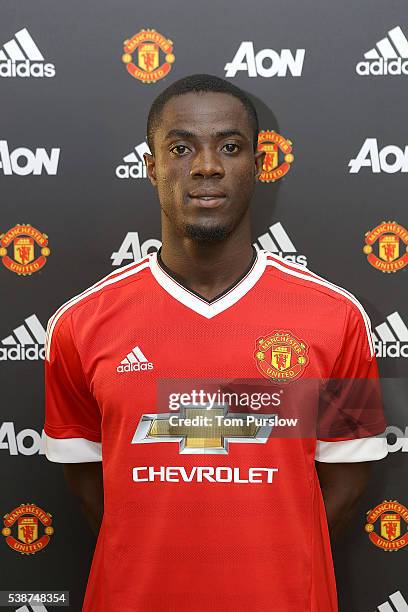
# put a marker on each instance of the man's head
(203, 132)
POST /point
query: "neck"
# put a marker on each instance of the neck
(207, 268)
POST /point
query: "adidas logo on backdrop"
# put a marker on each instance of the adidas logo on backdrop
(38, 607)
(389, 58)
(398, 601)
(134, 166)
(26, 342)
(135, 361)
(277, 241)
(391, 337)
(20, 57)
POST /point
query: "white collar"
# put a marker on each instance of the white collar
(199, 305)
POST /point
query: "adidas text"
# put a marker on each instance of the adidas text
(382, 67)
(391, 349)
(26, 69)
(134, 367)
(22, 353)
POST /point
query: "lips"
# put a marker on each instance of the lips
(208, 199)
(207, 194)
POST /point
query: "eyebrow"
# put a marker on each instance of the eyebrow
(188, 134)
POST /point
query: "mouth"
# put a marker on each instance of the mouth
(208, 201)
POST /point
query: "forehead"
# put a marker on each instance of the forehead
(207, 111)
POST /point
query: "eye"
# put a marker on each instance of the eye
(180, 146)
(231, 144)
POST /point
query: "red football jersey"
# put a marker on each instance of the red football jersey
(207, 506)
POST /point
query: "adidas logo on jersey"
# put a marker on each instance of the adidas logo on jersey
(398, 601)
(26, 342)
(134, 166)
(22, 161)
(391, 337)
(135, 361)
(389, 58)
(277, 241)
(20, 57)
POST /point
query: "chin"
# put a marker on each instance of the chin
(202, 233)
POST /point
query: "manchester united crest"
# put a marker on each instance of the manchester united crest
(281, 356)
(278, 158)
(23, 526)
(392, 246)
(142, 55)
(387, 525)
(24, 249)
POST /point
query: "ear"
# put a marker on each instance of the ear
(150, 163)
(259, 161)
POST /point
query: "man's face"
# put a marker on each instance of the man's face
(203, 147)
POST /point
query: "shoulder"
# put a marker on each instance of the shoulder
(311, 282)
(115, 280)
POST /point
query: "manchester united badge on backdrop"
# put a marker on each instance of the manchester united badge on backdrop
(392, 246)
(278, 158)
(141, 55)
(18, 249)
(390, 533)
(22, 528)
(281, 356)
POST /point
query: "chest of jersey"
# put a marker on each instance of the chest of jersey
(150, 353)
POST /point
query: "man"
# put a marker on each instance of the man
(208, 518)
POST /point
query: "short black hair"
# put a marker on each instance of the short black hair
(198, 82)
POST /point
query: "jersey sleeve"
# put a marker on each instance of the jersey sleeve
(351, 422)
(72, 425)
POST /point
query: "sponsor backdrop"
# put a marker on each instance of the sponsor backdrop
(77, 80)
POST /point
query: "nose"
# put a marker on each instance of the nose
(207, 163)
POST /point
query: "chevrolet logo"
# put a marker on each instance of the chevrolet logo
(201, 430)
